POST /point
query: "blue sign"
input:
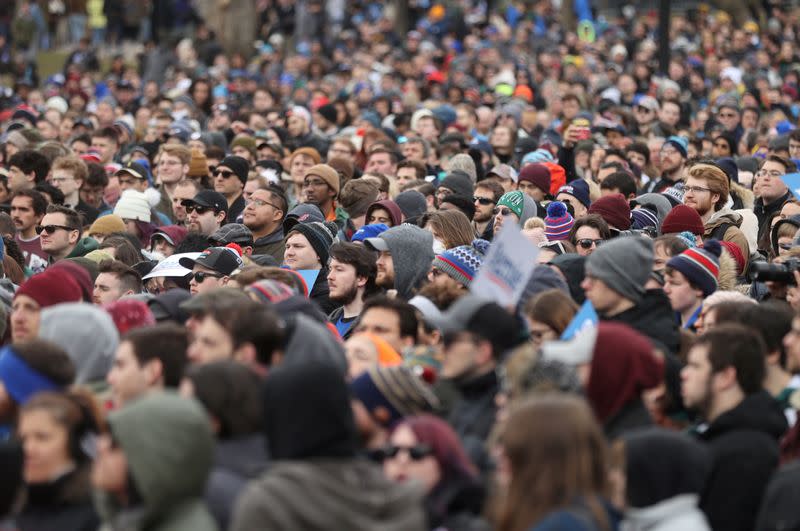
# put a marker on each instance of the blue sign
(792, 181)
(585, 318)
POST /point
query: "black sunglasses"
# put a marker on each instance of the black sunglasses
(482, 201)
(225, 173)
(416, 453)
(200, 209)
(201, 276)
(50, 229)
(586, 243)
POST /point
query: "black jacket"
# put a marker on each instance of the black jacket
(235, 210)
(320, 293)
(764, 212)
(65, 503)
(781, 499)
(653, 317)
(456, 505)
(744, 449)
(473, 416)
(633, 415)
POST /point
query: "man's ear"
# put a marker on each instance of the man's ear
(221, 217)
(154, 371)
(246, 354)
(361, 282)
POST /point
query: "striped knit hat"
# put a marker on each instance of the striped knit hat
(462, 263)
(700, 266)
(558, 222)
(397, 389)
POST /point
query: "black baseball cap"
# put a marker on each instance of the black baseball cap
(219, 259)
(209, 199)
(135, 169)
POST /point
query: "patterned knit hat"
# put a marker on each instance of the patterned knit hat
(270, 291)
(643, 217)
(320, 236)
(462, 263)
(700, 266)
(558, 222)
(397, 389)
(514, 200)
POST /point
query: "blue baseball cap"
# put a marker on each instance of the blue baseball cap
(368, 231)
(579, 189)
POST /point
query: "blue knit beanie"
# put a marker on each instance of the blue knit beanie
(462, 263)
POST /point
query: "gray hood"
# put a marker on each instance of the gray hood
(412, 253)
(311, 341)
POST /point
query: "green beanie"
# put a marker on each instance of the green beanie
(514, 200)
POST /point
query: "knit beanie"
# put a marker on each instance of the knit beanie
(52, 287)
(623, 264)
(129, 314)
(462, 263)
(238, 165)
(198, 164)
(133, 205)
(270, 291)
(343, 167)
(328, 111)
(514, 200)
(540, 155)
(683, 218)
(387, 355)
(679, 143)
(700, 266)
(107, 224)
(579, 189)
(464, 163)
(657, 202)
(320, 236)
(536, 174)
(614, 209)
(309, 151)
(642, 218)
(558, 222)
(412, 203)
(327, 174)
(397, 389)
(357, 195)
(247, 142)
(79, 274)
(458, 182)
(558, 176)
(737, 254)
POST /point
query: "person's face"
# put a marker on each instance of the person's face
(211, 343)
(696, 379)
(729, 118)
(107, 289)
(339, 150)
(501, 215)
(22, 214)
(660, 258)
(343, 283)
(670, 158)
(128, 379)
(204, 220)
(788, 210)
(385, 265)
(299, 166)
(226, 182)
(105, 147)
(241, 151)
(459, 356)
(540, 332)
(637, 158)
(670, 114)
(421, 467)
(92, 195)
(129, 182)
(405, 175)
(316, 190)
(162, 246)
(570, 108)
(205, 282)
(261, 211)
(794, 149)
(531, 190)
(61, 239)
(379, 215)
(384, 323)
(110, 469)
(682, 296)
(644, 115)
(426, 128)
(296, 126)
(380, 163)
(16, 179)
(45, 444)
(361, 355)
(720, 148)
(484, 204)
(603, 298)
(413, 151)
(299, 254)
(181, 193)
(586, 240)
(171, 169)
(65, 181)
(698, 196)
(25, 316)
(501, 137)
(603, 173)
(770, 184)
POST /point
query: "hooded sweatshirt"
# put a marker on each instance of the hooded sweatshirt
(169, 447)
(412, 254)
(317, 482)
(730, 221)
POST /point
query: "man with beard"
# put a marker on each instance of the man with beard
(486, 196)
(321, 187)
(28, 207)
(706, 191)
(673, 159)
(406, 253)
(351, 279)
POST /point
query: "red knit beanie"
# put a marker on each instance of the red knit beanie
(536, 174)
(614, 209)
(736, 252)
(52, 287)
(129, 314)
(683, 218)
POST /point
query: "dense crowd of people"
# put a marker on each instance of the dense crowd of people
(244, 288)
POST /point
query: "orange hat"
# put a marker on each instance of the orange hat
(387, 355)
(524, 92)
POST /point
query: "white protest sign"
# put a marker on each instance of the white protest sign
(507, 267)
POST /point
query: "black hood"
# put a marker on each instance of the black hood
(653, 317)
(661, 464)
(307, 413)
(758, 412)
(791, 220)
(573, 267)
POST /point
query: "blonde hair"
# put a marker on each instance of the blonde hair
(716, 179)
(534, 223)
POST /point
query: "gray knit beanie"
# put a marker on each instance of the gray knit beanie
(623, 264)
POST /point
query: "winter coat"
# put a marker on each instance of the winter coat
(236, 462)
(65, 503)
(781, 499)
(744, 448)
(653, 317)
(732, 233)
(473, 416)
(320, 293)
(765, 212)
(632, 415)
(456, 505)
(576, 518)
(675, 514)
(271, 244)
(169, 447)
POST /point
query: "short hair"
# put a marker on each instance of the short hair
(52, 150)
(176, 150)
(254, 323)
(740, 347)
(194, 183)
(345, 141)
(493, 186)
(166, 342)
(47, 189)
(129, 278)
(671, 243)
(771, 319)
(794, 135)
(38, 201)
(380, 148)
(74, 164)
(786, 163)
(29, 161)
(124, 250)
(107, 132)
(418, 166)
(48, 359)
(426, 146)
(405, 312)
(278, 196)
(716, 179)
(620, 180)
(590, 220)
(617, 166)
(361, 258)
(74, 219)
(96, 176)
(640, 148)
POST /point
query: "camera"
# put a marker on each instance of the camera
(783, 272)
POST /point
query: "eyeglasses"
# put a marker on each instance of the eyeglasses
(225, 174)
(50, 229)
(775, 174)
(502, 210)
(314, 183)
(201, 276)
(416, 452)
(695, 189)
(587, 243)
(59, 180)
(260, 203)
(200, 209)
(483, 201)
(165, 162)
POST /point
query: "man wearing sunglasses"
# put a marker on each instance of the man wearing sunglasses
(487, 194)
(59, 232)
(211, 269)
(205, 212)
(230, 177)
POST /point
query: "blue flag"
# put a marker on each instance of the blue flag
(585, 318)
(792, 180)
